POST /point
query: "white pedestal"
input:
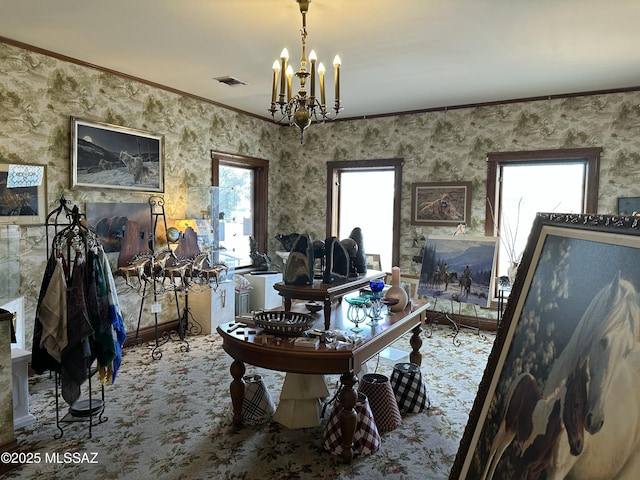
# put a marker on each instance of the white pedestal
(20, 383)
(263, 296)
(300, 405)
(213, 307)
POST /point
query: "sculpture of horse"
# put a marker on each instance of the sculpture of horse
(178, 270)
(136, 269)
(201, 271)
(535, 423)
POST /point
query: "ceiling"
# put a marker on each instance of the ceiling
(397, 56)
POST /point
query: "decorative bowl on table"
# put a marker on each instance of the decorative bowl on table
(357, 311)
(280, 322)
(313, 307)
(390, 301)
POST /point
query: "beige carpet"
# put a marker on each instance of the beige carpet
(169, 419)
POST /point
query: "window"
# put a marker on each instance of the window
(366, 194)
(243, 204)
(521, 184)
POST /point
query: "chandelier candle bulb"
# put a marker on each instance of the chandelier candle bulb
(313, 58)
(274, 91)
(289, 80)
(336, 69)
(321, 71)
(284, 56)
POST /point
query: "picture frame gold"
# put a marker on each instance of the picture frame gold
(440, 203)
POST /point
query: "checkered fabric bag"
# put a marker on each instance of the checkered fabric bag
(366, 439)
(257, 406)
(409, 388)
(382, 401)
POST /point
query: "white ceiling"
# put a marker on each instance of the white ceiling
(397, 55)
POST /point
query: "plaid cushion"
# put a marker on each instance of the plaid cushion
(409, 388)
(366, 439)
(257, 406)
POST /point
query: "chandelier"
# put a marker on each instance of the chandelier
(302, 108)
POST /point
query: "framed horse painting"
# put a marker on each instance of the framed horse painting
(560, 393)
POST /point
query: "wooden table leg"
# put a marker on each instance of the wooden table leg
(237, 390)
(348, 417)
(287, 304)
(416, 342)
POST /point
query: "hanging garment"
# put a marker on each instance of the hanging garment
(117, 322)
(53, 313)
(103, 346)
(41, 361)
(76, 357)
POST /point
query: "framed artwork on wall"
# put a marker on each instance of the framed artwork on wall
(628, 205)
(23, 194)
(108, 156)
(440, 203)
(565, 358)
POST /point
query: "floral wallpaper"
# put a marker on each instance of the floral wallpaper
(38, 94)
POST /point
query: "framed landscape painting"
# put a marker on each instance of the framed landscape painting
(458, 268)
(440, 203)
(108, 156)
(23, 194)
(561, 379)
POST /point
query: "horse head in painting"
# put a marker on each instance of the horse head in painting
(606, 333)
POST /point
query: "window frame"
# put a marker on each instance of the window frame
(334, 168)
(260, 206)
(495, 160)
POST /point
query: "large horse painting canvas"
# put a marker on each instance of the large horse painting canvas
(560, 395)
(458, 268)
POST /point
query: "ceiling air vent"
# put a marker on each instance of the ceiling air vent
(232, 82)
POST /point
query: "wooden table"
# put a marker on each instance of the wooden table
(251, 345)
(325, 292)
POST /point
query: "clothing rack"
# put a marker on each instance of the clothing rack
(78, 320)
(75, 236)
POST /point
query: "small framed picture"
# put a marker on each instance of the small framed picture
(23, 194)
(108, 156)
(373, 261)
(628, 205)
(441, 203)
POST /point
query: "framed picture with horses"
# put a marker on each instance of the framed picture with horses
(560, 393)
(441, 203)
(458, 269)
(109, 156)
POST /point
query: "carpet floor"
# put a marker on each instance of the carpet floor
(170, 419)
